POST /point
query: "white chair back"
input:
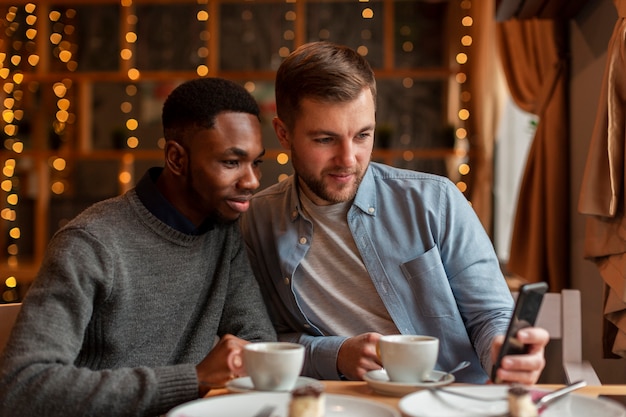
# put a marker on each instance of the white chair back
(560, 314)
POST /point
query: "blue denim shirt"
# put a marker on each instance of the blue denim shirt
(425, 250)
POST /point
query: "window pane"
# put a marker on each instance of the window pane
(411, 118)
(169, 37)
(343, 22)
(252, 35)
(97, 32)
(420, 33)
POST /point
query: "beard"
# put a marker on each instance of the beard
(322, 190)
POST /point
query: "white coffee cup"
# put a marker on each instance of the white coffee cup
(273, 366)
(408, 358)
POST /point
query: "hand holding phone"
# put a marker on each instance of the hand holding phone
(524, 315)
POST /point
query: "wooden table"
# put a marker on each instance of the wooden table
(362, 390)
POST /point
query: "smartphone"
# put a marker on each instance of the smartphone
(524, 315)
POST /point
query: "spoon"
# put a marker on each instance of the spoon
(461, 365)
(542, 402)
(559, 393)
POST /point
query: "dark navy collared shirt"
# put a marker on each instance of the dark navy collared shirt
(162, 209)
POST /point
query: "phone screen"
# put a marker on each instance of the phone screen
(524, 315)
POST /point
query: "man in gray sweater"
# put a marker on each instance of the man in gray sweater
(145, 300)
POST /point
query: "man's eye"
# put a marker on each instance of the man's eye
(324, 140)
(257, 162)
(232, 162)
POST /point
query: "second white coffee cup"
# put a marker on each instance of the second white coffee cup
(408, 358)
(273, 366)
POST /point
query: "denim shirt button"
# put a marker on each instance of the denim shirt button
(371, 210)
(303, 240)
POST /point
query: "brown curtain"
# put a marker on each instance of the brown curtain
(484, 107)
(602, 191)
(534, 61)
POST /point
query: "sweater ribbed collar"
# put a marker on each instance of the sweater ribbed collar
(157, 204)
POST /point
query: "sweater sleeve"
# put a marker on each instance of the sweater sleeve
(39, 374)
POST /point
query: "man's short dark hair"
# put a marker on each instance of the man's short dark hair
(195, 104)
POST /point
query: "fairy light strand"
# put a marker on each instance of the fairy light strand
(127, 54)
(203, 52)
(463, 115)
(12, 65)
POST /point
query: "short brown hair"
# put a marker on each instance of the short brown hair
(321, 71)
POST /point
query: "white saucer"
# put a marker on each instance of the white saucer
(440, 403)
(379, 381)
(244, 384)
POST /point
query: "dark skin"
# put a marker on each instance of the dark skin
(211, 175)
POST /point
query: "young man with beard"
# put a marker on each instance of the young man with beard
(145, 300)
(347, 249)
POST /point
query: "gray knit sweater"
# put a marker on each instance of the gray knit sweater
(122, 310)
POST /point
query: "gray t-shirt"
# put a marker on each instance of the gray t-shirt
(332, 285)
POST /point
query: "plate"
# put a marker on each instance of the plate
(379, 382)
(247, 404)
(440, 404)
(244, 384)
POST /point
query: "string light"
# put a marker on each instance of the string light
(12, 66)
(289, 35)
(203, 52)
(367, 14)
(128, 135)
(463, 115)
(63, 31)
(282, 158)
(63, 36)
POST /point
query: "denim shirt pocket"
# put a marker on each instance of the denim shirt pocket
(429, 283)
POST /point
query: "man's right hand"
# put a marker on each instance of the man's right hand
(223, 363)
(358, 355)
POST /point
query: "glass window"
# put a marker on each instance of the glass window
(355, 24)
(253, 35)
(169, 37)
(419, 29)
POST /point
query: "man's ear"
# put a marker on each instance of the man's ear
(281, 132)
(176, 157)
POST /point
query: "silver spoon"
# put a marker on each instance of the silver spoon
(541, 402)
(461, 365)
(559, 393)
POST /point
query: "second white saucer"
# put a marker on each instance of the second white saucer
(244, 384)
(379, 382)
